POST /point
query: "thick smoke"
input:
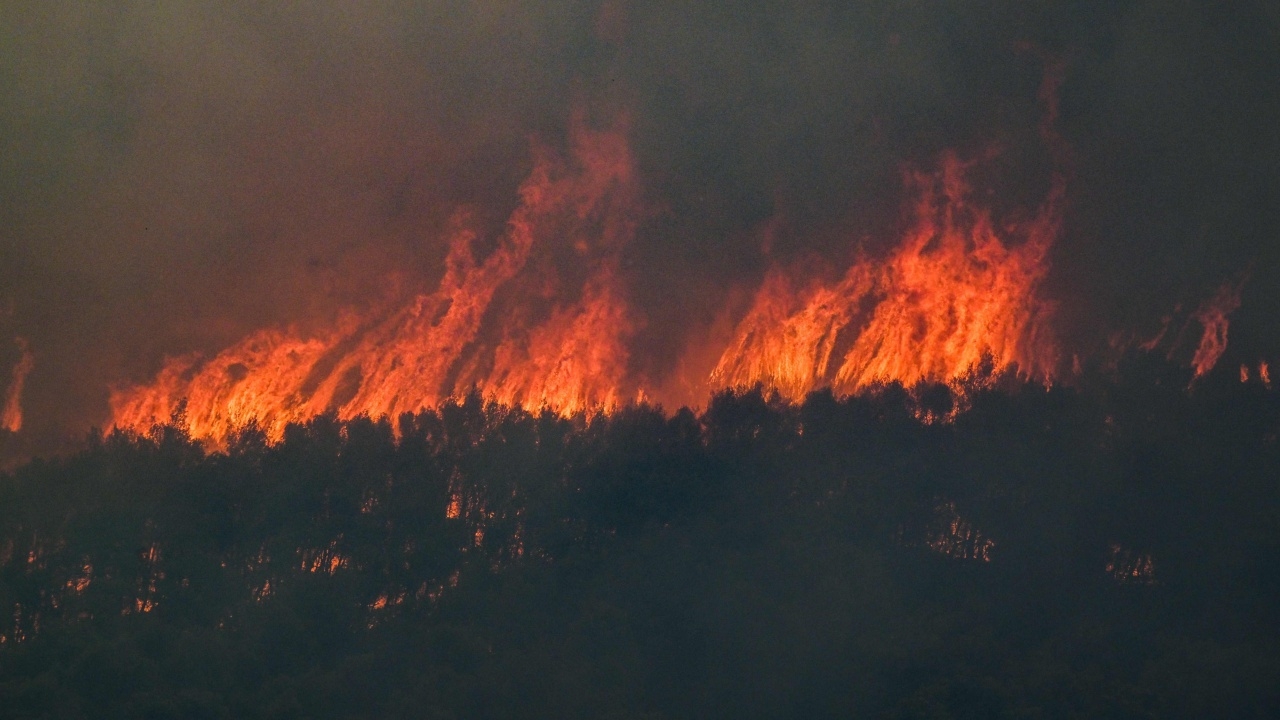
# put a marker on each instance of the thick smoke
(175, 176)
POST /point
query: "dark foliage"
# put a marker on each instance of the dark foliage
(1105, 551)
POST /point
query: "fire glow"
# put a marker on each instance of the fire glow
(957, 300)
(550, 348)
(1213, 317)
(11, 413)
(951, 297)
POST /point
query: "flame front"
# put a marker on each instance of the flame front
(11, 413)
(956, 295)
(546, 346)
(1213, 317)
(953, 297)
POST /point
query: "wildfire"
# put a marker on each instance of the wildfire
(956, 301)
(957, 538)
(1213, 316)
(956, 295)
(494, 323)
(1177, 330)
(11, 419)
(1129, 567)
(952, 298)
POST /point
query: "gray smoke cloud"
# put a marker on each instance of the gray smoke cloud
(174, 175)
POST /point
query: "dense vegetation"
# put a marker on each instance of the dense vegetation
(1111, 550)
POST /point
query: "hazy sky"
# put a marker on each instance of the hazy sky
(174, 175)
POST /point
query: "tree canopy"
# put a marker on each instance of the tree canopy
(1110, 550)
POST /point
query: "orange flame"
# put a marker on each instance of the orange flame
(952, 297)
(1213, 316)
(539, 347)
(11, 419)
(574, 362)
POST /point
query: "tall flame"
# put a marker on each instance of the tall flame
(11, 419)
(545, 346)
(1213, 317)
(955, 296)
(952, 298)
(575, 361)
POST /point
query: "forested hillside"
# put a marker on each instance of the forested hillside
(1109, 550)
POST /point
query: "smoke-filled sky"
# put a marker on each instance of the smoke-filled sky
(174, 175)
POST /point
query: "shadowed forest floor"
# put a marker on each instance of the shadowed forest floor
(1105, 551)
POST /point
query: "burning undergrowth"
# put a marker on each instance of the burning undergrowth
(539, 317)
(536, 320)
(953, 300)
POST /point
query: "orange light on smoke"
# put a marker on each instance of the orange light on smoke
(956, 294)
(1213, 316)
(11, 413)
(443, 344)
